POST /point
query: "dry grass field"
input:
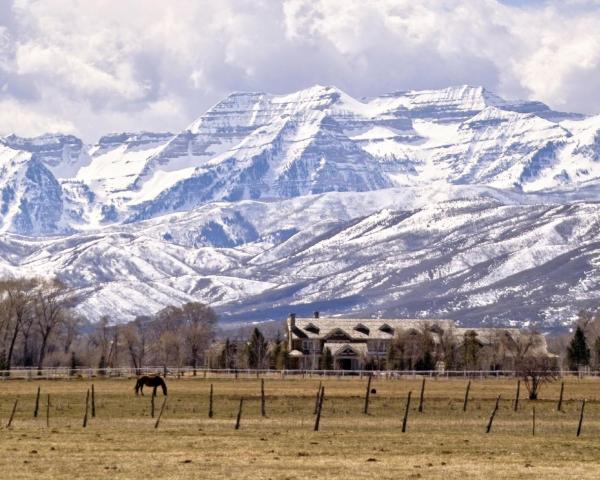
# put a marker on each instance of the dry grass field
(441, 442)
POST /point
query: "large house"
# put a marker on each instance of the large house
(356, 344)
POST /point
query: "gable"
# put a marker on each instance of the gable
(338, 334)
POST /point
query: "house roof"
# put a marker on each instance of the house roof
(359, 328)
(337, 348)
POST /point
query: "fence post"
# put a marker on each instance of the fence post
(37, 403)
(210, 402)
(239, 415)
(87, 403)
(405, 419)
(317, 399)
(421, 398)
(48, 412)
(489, 425)
(318, 419)
(93, 402)
(560, 397)
(262, 398)
(533, 422)
(466, 396)
(162, 409)
(580, 417)
(12, 414)
(366, 412)
(517, 395)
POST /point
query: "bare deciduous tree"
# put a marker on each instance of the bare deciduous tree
(15, 313)
(534, 369)
(135, 338)
(52, 300)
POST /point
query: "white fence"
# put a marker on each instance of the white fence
(178, 372)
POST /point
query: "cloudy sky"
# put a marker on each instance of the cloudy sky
(91, 67)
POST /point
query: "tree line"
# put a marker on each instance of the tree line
(39, 328)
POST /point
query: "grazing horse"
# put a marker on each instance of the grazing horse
(150, 381)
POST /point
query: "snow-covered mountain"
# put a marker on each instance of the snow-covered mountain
(450, 202)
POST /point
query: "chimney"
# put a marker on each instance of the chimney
(316, 314)
(292, 319)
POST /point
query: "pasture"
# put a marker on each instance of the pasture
(441, 442)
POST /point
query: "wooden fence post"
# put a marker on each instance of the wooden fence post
(210, 402)
(517, 395)
(48, 411)
(317, 399)
(421, 398)
(560, 397)
(405, 419)
(162, 409)
(367, 395)
(93, 402)
(318, 419)
(466, 396)
(37, 403)
(12, 414)
(263, 413)
(489, 425)
(239, 415)
(580, 417)
(533, 421)
(87, 403)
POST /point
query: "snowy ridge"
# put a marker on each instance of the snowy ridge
(485, 260)
(264, 146)
(447, 202)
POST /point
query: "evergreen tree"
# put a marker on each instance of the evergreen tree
(578, 353)
(281, 357)
(74, 363)
(256, 349)
(225, 358)
(327, 360)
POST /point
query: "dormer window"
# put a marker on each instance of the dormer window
(362, 329)
(436, 329)
(386, 329)
(312, 328)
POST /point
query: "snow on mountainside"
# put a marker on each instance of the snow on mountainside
(451, 202)
(263, 146)
(485, 260)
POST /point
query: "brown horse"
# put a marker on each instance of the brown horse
(150, 381)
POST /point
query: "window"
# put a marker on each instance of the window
(311, 327)
(362, 329)
(387, 329)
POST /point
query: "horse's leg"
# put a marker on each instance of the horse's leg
(142, 389)
(154, 390)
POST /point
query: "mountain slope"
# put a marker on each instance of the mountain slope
(480, 261)
(264, 146)
(452, 202)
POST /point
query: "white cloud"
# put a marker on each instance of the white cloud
(105, 65)
(17, 118)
